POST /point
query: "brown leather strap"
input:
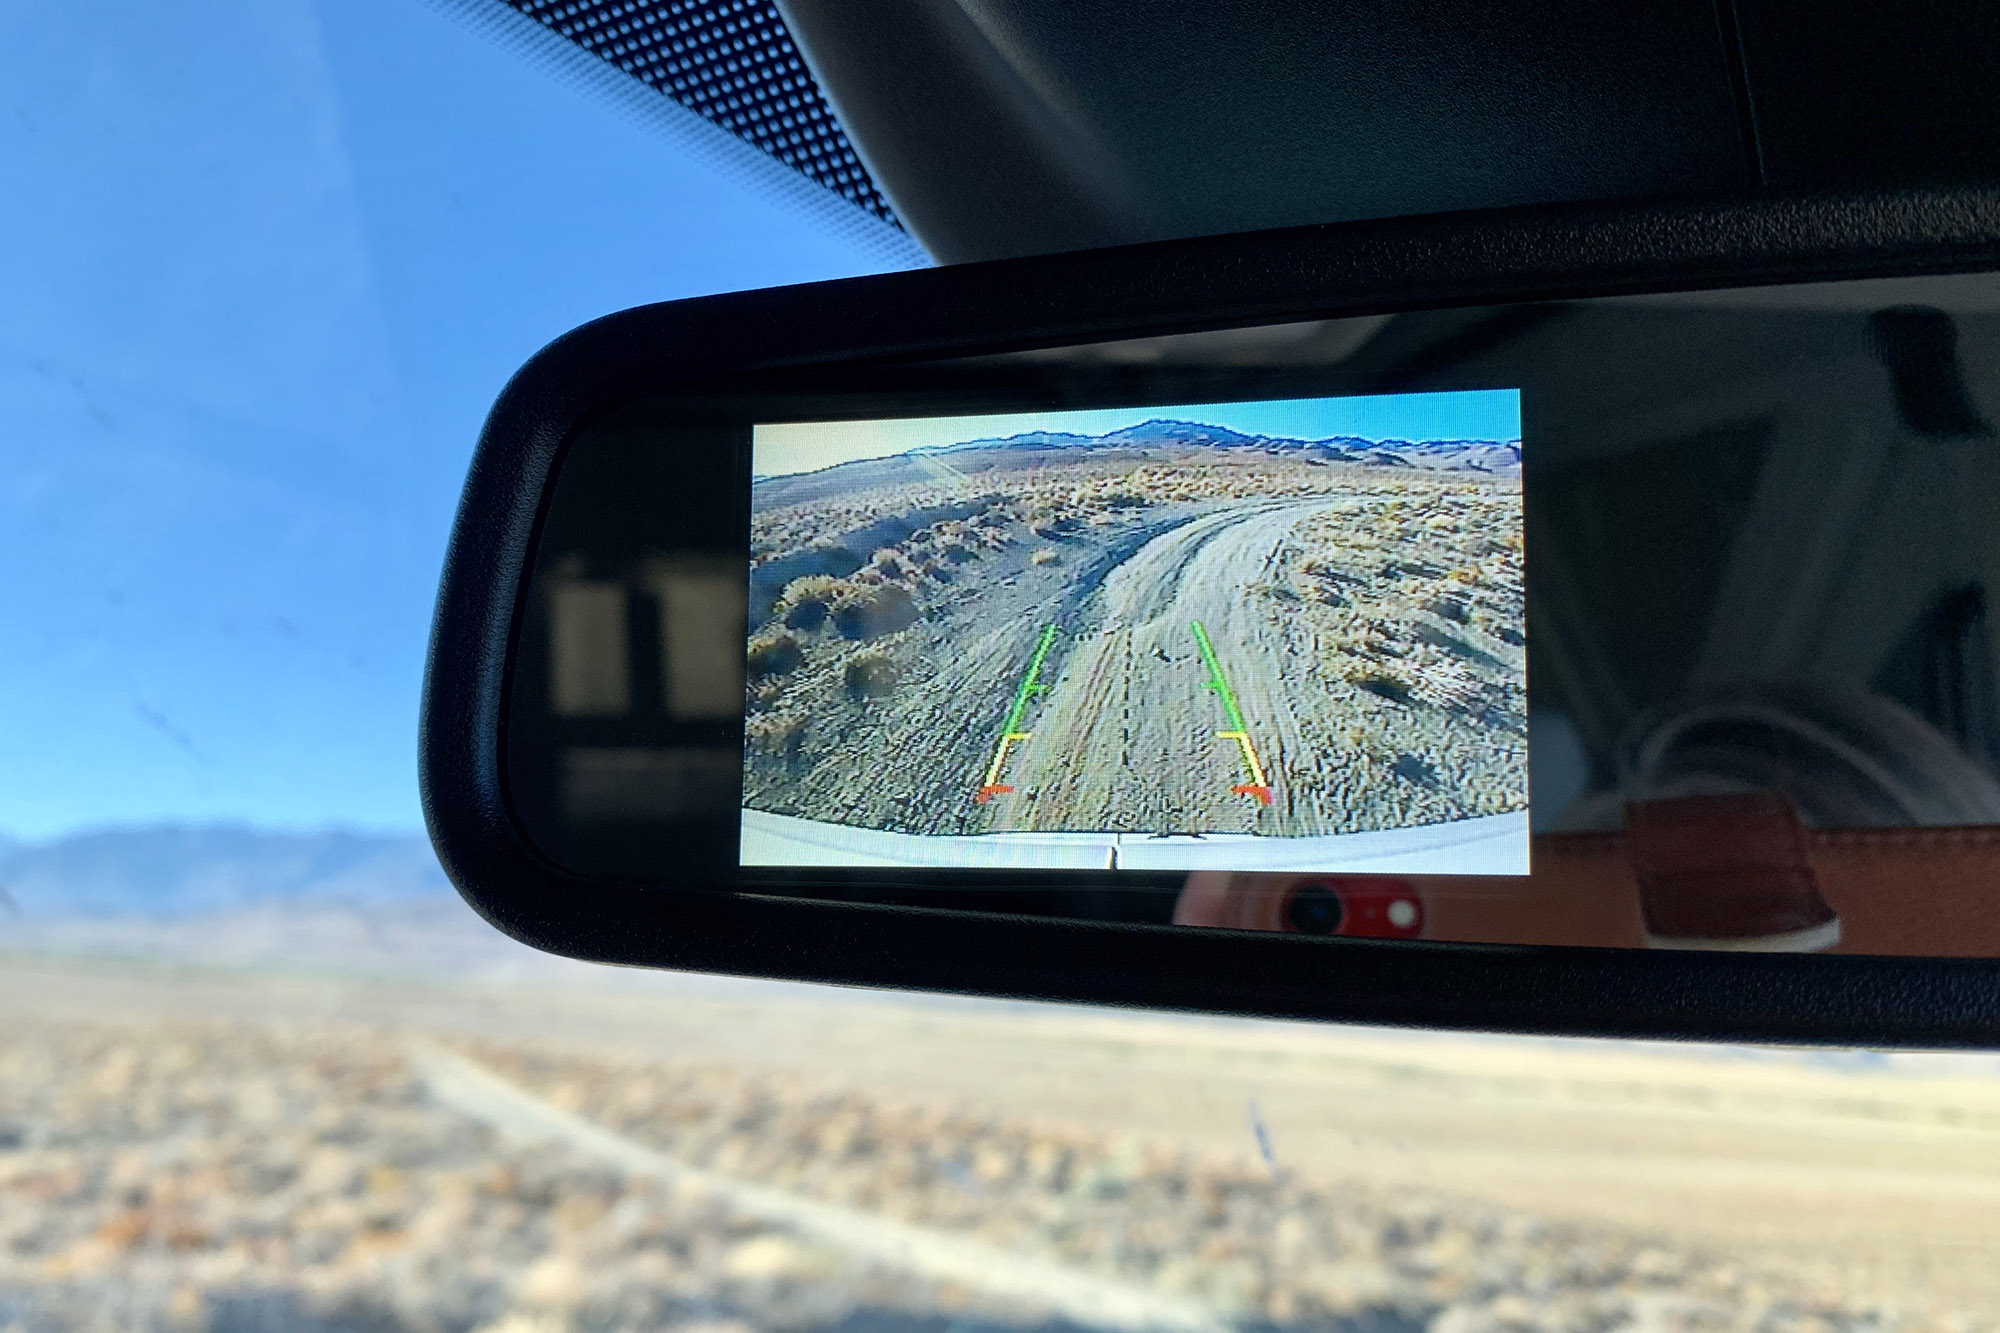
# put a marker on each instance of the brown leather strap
(1913, 892)
(1726, 872)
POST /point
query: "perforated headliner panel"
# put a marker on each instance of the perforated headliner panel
(731, 62)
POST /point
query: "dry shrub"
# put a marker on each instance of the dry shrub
(1383, 686)
(773, 653)
(870, 612)
(805, 601)
(871, 674)
(776, 733)
(1450, 608)
(1449, 685)
(891, 563)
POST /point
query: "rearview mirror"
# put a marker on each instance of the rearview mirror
(1576, 620)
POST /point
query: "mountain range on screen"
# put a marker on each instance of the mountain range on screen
(1446, 455)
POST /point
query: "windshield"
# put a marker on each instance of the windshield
(266, 264)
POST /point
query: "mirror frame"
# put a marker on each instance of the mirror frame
(1466, 259)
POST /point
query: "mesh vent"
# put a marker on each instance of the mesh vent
(731, 62)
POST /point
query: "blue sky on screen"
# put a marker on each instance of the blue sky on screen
(1477, 414)
(266, 264)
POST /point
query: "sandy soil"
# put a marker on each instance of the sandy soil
(1730, 1189)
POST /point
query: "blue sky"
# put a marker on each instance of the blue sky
(266, 264)
(1474, 414)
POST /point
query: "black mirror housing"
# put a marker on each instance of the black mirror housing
(802, 335)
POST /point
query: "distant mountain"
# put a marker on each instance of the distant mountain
(1155, 433)
(1501, 456)
(433, 935)
(1498, 456)
(1034, 439)
(174, 872)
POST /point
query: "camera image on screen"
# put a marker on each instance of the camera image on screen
(1282, 634)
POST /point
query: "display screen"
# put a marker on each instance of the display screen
(1264, 635)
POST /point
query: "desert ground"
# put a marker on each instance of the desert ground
(564, 1148)
(1367, 622)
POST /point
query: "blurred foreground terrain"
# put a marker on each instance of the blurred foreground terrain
(263, 1120)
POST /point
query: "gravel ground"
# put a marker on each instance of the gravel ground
(233, 1175)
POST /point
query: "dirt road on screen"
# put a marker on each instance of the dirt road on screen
(1131, 734)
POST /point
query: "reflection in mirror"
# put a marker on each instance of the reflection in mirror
(1280, 629)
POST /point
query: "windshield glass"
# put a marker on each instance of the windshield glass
(266, 265)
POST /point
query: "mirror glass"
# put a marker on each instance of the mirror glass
(1650, 621)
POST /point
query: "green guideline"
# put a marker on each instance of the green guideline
(1010, 730)
(1259, 786)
